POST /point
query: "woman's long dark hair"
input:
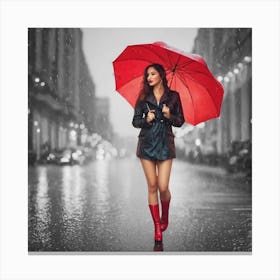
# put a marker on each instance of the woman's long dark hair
(146, 88)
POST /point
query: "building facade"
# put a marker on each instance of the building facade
(228, 54)
(61, 94)
(102, 120)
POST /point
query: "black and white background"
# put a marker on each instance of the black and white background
(16, 17)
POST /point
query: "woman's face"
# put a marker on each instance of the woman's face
(153, 76)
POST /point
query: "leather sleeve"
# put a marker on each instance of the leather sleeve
(139, 118)
(177, 117)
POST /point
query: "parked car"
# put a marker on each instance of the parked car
(69, 156)
(240, 157)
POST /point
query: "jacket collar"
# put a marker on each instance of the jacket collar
(151, 98)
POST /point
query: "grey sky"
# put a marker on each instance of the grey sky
(103, 45)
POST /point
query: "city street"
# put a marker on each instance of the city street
(102, 207)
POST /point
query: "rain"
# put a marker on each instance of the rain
(86, 187)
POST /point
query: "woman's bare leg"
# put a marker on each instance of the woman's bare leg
(149, 168)
(164, 170)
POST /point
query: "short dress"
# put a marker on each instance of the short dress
(156, 139)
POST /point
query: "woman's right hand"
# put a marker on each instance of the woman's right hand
(150, 116)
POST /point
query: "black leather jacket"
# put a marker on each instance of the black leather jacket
(156, 139)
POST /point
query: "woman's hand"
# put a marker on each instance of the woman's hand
(166, 111)
(150, 116)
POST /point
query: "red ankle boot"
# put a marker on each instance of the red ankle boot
(155, 215)
(164, 216)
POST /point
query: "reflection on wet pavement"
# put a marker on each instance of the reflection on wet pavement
(102, 207)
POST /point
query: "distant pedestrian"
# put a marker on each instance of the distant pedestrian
(157, 109)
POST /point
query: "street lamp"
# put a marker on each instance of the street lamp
(240, 65)
(226, 79)
(236, 71)
(247, 58)
(197, 142)
(230, 74)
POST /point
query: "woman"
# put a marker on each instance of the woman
(157, 109)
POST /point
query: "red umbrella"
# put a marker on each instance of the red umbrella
(201, 94)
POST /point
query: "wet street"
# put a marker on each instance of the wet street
(102, 207)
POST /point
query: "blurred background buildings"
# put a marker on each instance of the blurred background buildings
(227, 139)
(65, 113)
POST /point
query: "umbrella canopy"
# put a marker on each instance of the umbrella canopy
(201, 94)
